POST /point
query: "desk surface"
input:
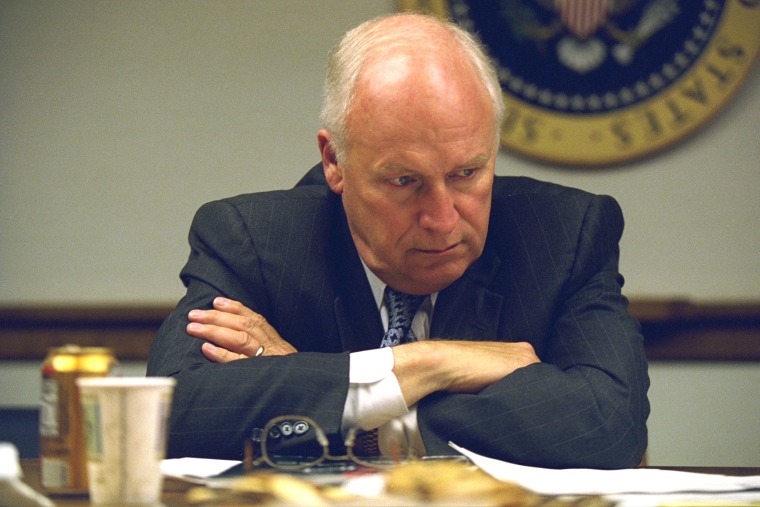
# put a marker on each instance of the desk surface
(173, 495)
(174, 490)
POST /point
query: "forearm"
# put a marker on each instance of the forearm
(585, 407)
(423, 368)
(541, 416)
(384, 382)
(216, 406)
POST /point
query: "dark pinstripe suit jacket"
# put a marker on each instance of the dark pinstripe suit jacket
(548, 275)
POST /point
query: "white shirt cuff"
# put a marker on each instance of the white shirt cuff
(374, 395)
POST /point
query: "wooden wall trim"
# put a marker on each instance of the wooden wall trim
(27, 332)
(679, 330)
(674, 330)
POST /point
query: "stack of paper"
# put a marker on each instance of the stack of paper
(631, 487)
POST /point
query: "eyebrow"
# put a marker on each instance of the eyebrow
(478, 161)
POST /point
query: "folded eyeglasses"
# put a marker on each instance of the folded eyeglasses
(294, 442)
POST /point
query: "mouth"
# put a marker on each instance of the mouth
(438, 251)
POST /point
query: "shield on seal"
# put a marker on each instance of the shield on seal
(583, 17)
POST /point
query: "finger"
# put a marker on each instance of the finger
(235, 315)
(270, 339)
(238, 342)
(231, 306)
(222, 319)
(218, 354)
(232, 315)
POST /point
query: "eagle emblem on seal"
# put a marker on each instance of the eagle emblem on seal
(577, 23)
(590, 56)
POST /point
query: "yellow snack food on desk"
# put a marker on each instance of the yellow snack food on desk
(455, 481)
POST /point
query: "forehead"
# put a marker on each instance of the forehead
(410, 96)
(405, 75)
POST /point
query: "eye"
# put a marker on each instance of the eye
(401, 181)
(464, 173)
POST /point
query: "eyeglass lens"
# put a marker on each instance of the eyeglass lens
(291, 442)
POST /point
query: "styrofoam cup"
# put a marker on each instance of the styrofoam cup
(125, 426)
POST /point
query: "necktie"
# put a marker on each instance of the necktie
(402, 308)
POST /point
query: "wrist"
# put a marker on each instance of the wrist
(419, 368)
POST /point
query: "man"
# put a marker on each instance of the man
(521, 348)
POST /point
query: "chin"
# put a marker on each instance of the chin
(438, 282)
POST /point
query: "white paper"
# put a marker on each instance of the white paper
(196, 469)
(582, 481)
(731, 499)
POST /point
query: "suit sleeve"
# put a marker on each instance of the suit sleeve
(215, 406)
(585, 404)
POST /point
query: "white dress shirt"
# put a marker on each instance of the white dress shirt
(374, 395)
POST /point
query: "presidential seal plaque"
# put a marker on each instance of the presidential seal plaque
(605, 82)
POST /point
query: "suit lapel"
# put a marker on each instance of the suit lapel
(468, 309)
(356, 312)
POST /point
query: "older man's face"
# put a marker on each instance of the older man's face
(418, 176)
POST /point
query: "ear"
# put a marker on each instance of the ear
(333, 173)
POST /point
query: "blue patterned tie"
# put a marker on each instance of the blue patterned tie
(401, 308)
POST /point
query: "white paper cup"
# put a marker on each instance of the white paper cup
(125, 425)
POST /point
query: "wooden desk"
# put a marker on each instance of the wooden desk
(174, 490)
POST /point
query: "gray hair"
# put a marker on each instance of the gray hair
(348, 57)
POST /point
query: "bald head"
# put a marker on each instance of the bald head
(419, 54)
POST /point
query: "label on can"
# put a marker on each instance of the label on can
(49, 409)
(55, 473)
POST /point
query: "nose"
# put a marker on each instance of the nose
(438, 210)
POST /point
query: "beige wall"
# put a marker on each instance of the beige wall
(118, 119)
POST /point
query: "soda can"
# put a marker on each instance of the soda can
(63, 457)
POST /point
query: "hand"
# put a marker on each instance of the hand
(234, 331)
(456, 366)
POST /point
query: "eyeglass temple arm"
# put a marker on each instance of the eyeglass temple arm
(247, 455)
